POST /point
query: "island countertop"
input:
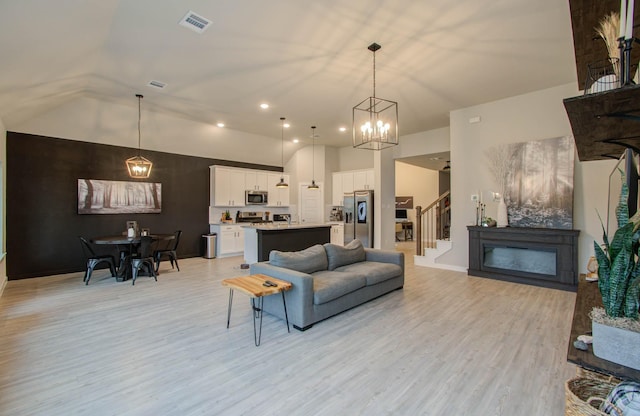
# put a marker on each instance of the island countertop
(283, 226)
(260, 239)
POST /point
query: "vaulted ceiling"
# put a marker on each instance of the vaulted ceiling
(307, 59)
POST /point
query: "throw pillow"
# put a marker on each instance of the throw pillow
(341, 256)
(309, 260)
(624, 397)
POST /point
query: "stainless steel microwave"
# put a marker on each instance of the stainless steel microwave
(256, 197)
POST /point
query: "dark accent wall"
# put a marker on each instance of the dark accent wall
(42, 192)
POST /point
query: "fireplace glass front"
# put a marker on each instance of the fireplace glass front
(528, 260)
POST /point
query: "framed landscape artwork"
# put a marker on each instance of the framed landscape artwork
(118, 197)
(539, 184)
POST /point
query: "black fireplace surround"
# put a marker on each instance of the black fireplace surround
(538, 256)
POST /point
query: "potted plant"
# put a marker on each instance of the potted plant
(616, 329)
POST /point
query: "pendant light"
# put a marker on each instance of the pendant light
(282, 183)
(375, 120)
(138, 166)
(313, 171)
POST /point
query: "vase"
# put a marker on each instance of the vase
(502, 220)
(617, 345)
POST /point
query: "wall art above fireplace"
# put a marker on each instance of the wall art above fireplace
(536, 179)
(118, 197)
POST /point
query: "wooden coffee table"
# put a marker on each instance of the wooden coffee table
(254, 286)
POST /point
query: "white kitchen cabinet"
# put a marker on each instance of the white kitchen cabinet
(336, 190)
(256, 181)
(337, 234)
(278, 197)
(347, 182)
(363, 179)
(230, 239)
(228, 187)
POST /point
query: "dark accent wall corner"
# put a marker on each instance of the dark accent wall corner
(42, 220)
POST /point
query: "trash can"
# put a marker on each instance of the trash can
(209, 246)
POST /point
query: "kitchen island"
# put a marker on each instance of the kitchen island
(260, 239)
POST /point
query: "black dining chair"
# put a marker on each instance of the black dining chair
(169, 252)
(143, 259)
(93, 260)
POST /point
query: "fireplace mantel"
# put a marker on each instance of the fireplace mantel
(538, 256)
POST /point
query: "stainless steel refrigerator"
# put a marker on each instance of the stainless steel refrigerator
(358, 217)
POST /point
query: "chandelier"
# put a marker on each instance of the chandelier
(282, 183)
(375, 120)
(138, 166)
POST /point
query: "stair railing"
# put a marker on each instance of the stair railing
(433, 222)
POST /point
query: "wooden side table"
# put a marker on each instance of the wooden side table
(254, 286)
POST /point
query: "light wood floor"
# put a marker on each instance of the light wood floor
(447, 344)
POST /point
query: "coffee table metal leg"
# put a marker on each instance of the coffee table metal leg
(229, 310)
(286, 317)
(257, 313)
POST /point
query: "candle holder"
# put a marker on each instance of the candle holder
(625, 56)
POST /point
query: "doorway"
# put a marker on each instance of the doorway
(311, 203)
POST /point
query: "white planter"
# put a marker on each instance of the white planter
(502, 220)
(617, 345)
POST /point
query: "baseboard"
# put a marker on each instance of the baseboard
(420, 261)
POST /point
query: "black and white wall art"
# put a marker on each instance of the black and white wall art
(118, 197)
(538, 182)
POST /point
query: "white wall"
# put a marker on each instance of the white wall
(534, 116)
(418, 182)
(104, 122)
(423, 143)
(353, 159)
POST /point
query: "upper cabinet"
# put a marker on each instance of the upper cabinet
(337, 191)
(278, 197)
(228, 187)
(349, 181)
(256, 180)
(363, 179)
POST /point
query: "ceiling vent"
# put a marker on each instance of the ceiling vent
(195, 22)
(156, 84)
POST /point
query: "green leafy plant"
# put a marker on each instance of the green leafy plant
(618, 265)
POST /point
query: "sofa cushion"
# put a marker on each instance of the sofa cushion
(341, 256)
(309, 260)
(374, 272)
(328, 285)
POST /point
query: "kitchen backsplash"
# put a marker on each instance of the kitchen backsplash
(215, 213)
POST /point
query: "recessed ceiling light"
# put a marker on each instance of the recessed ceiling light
(296, 140)
(220, 124)
(264, 106)
(343, 129)
(286, 125)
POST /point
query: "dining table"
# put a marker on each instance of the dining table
(127, 247)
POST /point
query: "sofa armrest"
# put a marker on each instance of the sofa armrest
(299, 298)
(385, 256)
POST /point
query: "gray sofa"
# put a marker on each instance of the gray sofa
(329, 279)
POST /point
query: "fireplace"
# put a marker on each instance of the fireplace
(539, 256)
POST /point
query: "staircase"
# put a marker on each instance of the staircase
(432, 232)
